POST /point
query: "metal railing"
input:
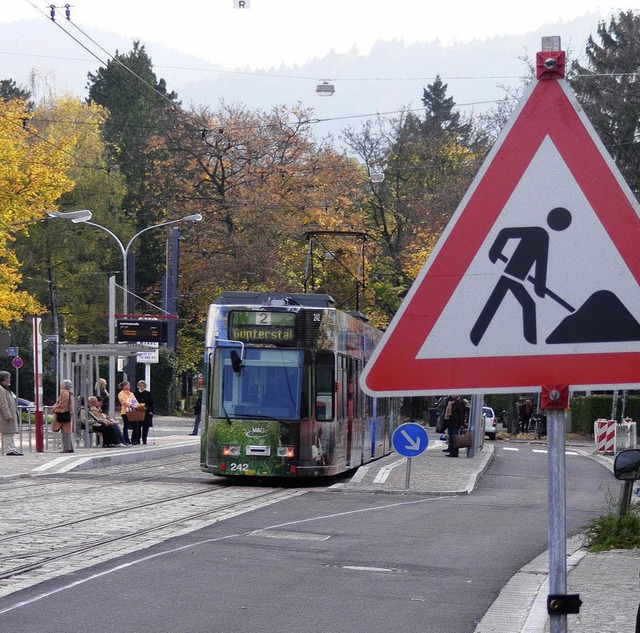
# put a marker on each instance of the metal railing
(26, 441)
(626, 435)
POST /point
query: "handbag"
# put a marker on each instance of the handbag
(462, 440)
(137, 415)
(63, 416)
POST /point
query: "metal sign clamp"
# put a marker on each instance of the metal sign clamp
(561, 604)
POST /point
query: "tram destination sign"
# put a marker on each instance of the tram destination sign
(141, 331)
(262, 327)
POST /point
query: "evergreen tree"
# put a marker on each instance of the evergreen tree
(9, 89)
(608, 89)
(141, 109)
(441, 117)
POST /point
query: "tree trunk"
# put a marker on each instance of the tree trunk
(512, 414)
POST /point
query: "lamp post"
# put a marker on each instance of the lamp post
(74, 216)
(124, 250)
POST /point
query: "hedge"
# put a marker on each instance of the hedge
(585, 410)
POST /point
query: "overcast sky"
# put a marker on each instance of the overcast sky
(274, 32)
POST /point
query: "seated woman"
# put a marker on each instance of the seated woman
(111, 432)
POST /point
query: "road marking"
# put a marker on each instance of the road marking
(384, 473)
(509, 448)
(213, 540)
(296, 536)
(360, 473)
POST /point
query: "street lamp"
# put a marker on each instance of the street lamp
(124, 250)
(74, 216)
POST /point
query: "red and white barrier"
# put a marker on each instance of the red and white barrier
(605, 433)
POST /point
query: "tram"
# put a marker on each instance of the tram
(280, 394)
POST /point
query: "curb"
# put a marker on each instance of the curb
(521, 606)
(78, 463)
(128, 457)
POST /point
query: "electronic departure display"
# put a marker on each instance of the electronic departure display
(141, 331)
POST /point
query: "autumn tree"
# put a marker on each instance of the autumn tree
(261, 181)
(608, 89)
(66, 265)
(33, 175)
(427, 162)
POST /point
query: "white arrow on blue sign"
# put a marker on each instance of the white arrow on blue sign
(410, 439)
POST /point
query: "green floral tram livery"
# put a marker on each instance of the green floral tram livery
(281, 396)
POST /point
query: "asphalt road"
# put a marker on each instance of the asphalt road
(326, 561)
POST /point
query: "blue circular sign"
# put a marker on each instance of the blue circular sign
(17, 362)
(410, 439)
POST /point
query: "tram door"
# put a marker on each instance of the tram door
(351, 392)
(347, 391)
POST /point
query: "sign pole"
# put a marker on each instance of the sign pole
(409, 440)
(37, 383)
(557, 514)
(112, 341)
(554, 399)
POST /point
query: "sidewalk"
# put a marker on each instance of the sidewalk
(607, 582)
(168, 436)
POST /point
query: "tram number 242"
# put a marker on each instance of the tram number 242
(238, 467)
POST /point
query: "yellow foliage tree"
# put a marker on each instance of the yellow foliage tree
(32, 177)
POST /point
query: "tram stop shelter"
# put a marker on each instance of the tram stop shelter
(81, 365)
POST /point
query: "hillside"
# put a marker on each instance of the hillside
(392, 75)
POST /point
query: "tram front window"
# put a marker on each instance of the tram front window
(269, 385)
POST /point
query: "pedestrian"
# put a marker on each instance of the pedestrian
(197, 409)
(63, 416)
(525, 414)
(8, 416)
(143, 396)
(103, 395)
(454, 419)
(441, 406)
(128, 403)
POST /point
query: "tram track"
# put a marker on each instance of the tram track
(77, 522)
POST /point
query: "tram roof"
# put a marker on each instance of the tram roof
(276, 298)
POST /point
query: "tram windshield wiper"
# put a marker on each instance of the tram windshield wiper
(255, 416)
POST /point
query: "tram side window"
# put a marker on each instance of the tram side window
(325, 381)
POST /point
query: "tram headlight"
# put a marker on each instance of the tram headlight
(230, 450)
(286, 451)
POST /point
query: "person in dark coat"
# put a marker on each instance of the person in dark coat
(525, 414)
(143, 395)
(197, 409)
(454, 419)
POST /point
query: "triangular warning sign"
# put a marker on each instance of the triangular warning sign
(535, 279)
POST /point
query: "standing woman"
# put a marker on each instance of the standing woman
(143, 395)
(128, 402)
(103, 395)
(63, 416)
(8, 415)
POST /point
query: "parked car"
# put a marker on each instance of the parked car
(490, 422)
(26, 405)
